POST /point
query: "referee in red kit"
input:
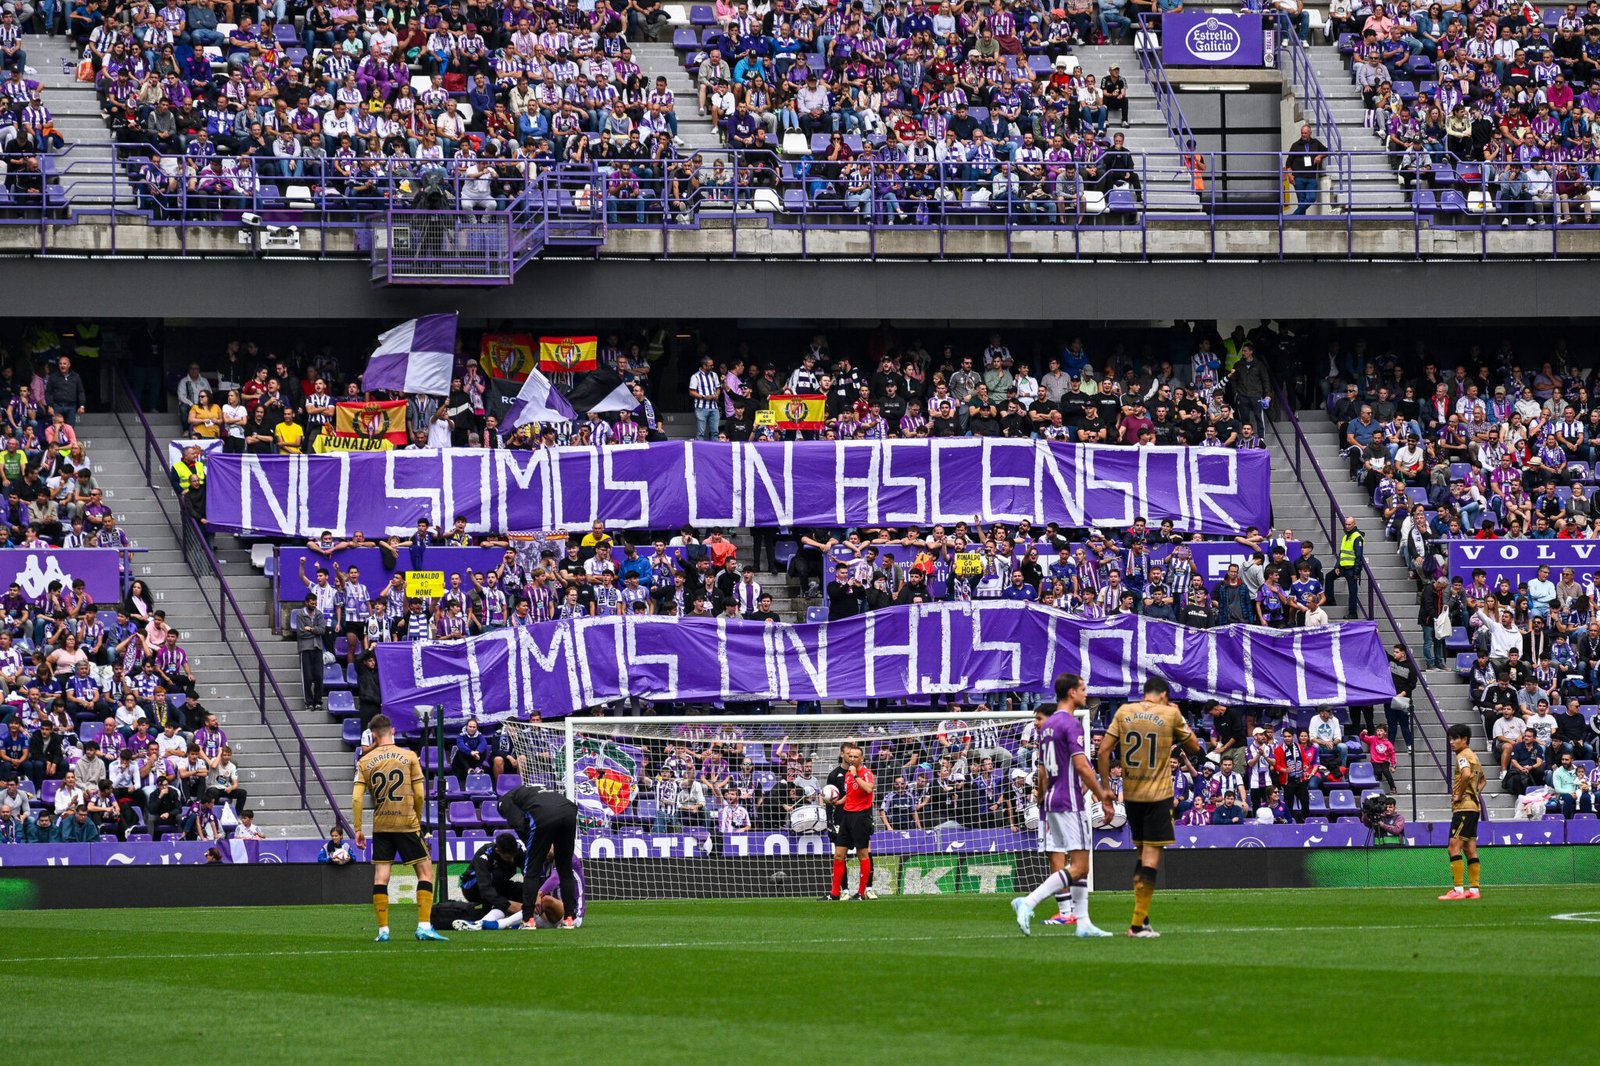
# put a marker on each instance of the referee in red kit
(855, 823)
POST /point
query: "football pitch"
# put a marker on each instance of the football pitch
(1302, 975)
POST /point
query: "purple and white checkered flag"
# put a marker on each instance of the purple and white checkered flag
(537, 401)
(416, 356)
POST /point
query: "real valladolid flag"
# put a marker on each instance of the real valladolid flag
(507, 355)
(792, 410)
(566, 355)
(414, 357)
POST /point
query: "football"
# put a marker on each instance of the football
(1119, 817)
(830, 793)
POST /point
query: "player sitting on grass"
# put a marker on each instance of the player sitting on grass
(547, 910)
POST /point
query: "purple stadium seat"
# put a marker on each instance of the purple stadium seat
(350, 732)
(491, 818)
(464, 813)
(816, 614)
(1362, 775)
(47, 792)
(333, 677)
(1318, 805)
(341, 647)
(452, 788)
(783, 553)
(430, 813)
(508, 783)
(341, 703)
(479, 786)
(685, 40)
(1342, 804)
(91, 731)
(701, 15)
(430, 759)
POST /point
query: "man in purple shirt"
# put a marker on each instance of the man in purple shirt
(1062, 775)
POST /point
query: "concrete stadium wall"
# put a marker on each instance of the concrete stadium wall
(755, 289)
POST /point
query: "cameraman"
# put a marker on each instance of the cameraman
(1379, 814)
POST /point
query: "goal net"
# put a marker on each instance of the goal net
(686, 808)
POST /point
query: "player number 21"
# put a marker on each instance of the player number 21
(386, 786)
(1135, 740)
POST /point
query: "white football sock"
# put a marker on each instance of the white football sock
(494, 915)
(1080, 900)
(1064, 904)
(511, 921)
(1052, 884)
(424, 925)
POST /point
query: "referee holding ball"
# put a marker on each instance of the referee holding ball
(851, 820)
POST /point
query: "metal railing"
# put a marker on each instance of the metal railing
(1155, 76)
(1298, 447)
(151, 452)
(1164, 204)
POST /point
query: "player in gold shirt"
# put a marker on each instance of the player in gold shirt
(1141, 736)
(1466, 791)
(393, 777)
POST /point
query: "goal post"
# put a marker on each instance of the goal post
(729, 806)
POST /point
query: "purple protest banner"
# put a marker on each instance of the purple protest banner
(669, 484)
(1211, 39)
(34, 568)
(1519, 560)
(560, 667)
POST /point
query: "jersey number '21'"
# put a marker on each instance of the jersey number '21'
(1135, 740)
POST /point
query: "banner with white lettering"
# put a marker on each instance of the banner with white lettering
(1519, 560)
(560, 667)
(704, 483)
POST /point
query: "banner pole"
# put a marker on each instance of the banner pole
(441, 885)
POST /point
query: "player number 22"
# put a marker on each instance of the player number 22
(1135, 740)
(386, 786)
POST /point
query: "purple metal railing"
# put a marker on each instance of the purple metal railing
(1298, 447)
(570, 208)
(151, 453)
(1155, 76)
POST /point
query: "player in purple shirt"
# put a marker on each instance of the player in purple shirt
(1062, 775)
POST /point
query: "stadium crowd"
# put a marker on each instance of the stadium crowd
(1504, 96)
(102, 731)
(361, 103)
(1489, 450)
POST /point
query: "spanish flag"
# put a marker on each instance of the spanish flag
(344, 442)
(564, 355)
(792, 410)
(372, 421)
(507, 355)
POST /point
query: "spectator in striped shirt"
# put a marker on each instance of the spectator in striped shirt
(705, 390)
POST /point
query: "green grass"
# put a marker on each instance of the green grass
(1298, 976)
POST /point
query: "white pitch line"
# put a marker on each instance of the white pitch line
(524, 940)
